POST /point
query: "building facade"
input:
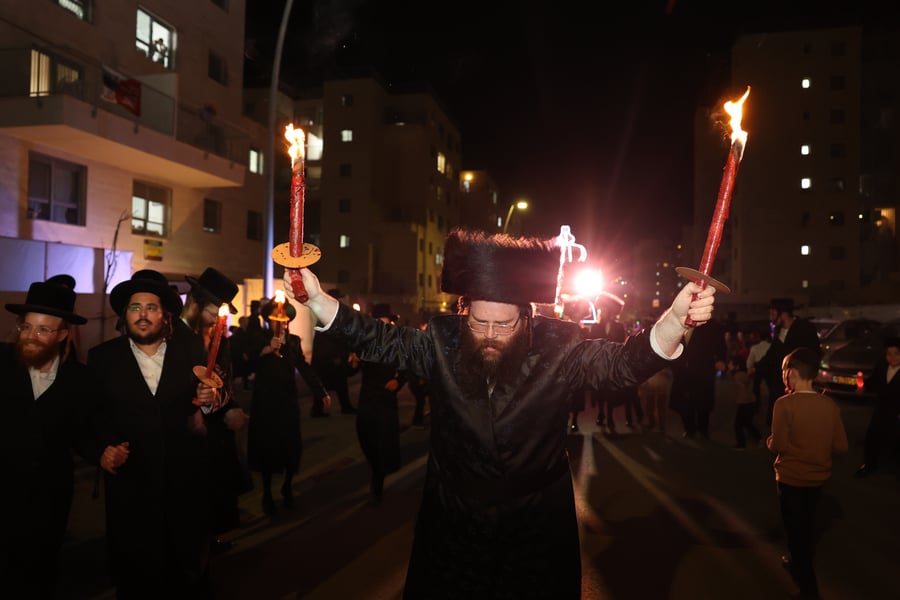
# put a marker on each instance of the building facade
(123, 146)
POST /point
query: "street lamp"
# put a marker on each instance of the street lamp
(521, 205)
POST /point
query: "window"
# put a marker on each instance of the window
(346, 135)
(421, 245)
(836, 218)
(805, 83)
(839, 183)
(344, 241)
(155, 39)
(80, 8)
(56, 190)
(804, 149)
(344, 205)
(50, 76)
(254, 225)
(837, 116)
(430, 248)
(837, 82)
(467, 186)
(347, 100)
(441, 162)
(255, 161)
(216, 68)
(805, 183)
(429, 280)
(346, 170)
(212, 216)
(804, 250)
(837, 150)
(150, 209)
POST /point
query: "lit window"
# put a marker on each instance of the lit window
(314, 147)
(804, 284)
(255, 161)
(150, 209)
(441, 162)
(212, 216)
(438, 259)
(499, 222)
(346, 135)
(347, 100)
(805, 83)
(79, 8)
(467, 186)
(155, 38)
(49, 75)
(56, 190)
(344, 241)
(805, 183)
(804, 250)
(804, 149)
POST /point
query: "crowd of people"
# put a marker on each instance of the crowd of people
(504, 386)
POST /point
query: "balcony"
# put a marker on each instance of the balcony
(71, 106)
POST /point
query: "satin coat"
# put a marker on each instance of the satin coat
(498, 514)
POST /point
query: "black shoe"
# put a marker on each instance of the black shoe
(268, 506)
(864, 471)
(287, 494)
(219, 546)
(318, 414)
(348, 411)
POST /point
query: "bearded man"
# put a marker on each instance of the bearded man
(498, 512)
(155, 454)
(49, 415)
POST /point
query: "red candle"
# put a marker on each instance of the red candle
(216, 340)
(723, 201)
(298, 192)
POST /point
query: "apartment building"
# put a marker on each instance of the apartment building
(383, 183)
(811, 217)
(123, 146)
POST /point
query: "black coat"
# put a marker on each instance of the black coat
(37, 465)
(157, 520)
(377, 421)
(273, 438)
(498, 513)
(694, 381)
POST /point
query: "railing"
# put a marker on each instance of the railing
(46, 72)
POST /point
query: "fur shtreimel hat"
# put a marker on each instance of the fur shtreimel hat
(500, 268)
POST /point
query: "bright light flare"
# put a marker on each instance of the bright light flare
(735, 110)
(279, 296)
(223, 311)
(588, 283)
(296, 139)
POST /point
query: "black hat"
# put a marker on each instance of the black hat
(384, 310)
(783, 305)
(268, 307)
(49, 299)
(63, 280)
(500, 268)
(151, 282)
(215, 287)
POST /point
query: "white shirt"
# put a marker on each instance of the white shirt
(757, 352)
(40, 381)
(891, 371)
(151, 366)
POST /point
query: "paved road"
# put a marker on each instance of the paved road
(661, 518)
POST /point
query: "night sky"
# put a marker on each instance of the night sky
(587, 113)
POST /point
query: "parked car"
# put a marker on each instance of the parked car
(840, 333)
(844, 371)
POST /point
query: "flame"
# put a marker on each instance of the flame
(279, 296)
(735, 109)
(297, 140)
(223, 310)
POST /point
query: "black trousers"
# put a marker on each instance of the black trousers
(743, 423)
(798, 512)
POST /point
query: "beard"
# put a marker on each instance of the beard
(35, 353)
(151, 336)
(496, 359)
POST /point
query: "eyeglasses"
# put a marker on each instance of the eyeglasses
(499, 330)
(40, 330)
(150, 308)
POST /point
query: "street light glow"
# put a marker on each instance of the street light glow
(521, 205)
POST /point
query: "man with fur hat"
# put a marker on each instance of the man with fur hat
(155, 456)
(49, 413)
(227, 478)
(498, 510)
